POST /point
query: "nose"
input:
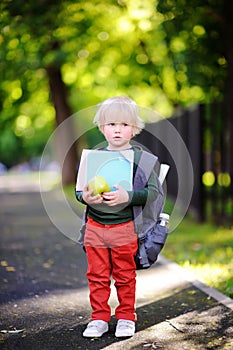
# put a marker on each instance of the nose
(117, 127)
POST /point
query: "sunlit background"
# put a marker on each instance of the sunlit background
(60, 58)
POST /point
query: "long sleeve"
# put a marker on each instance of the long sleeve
(149, 193)
(79, 196)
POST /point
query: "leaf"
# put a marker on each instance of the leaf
(10, 269)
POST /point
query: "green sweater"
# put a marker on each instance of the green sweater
(121, 213)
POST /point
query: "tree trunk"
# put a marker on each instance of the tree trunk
(67, 155)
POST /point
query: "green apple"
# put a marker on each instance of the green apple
(99, 185)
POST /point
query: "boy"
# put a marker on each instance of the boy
(110, 239)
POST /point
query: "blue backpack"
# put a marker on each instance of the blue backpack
(151, 234)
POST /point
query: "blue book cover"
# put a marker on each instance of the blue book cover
(115, 166)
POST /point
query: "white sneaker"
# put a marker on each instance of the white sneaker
(125, 328)
(95, 328)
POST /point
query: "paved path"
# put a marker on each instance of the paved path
(44, 296)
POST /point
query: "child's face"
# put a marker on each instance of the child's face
(118, 135)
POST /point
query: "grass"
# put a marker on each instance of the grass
(205, 250)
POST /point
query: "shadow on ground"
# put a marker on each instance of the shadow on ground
(182, 314)
(43, 292)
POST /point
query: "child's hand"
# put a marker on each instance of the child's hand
(115, 197)
(89, 198)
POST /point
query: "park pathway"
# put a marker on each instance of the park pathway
(44, 296)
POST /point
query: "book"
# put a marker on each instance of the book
(115, 166)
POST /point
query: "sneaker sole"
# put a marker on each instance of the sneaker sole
(94, 335)
(119, 335)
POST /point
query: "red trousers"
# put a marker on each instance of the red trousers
(110, 252)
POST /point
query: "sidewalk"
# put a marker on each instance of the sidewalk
(44, 296)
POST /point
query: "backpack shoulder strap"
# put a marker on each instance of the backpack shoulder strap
(145, 162)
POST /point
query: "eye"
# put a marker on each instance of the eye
(125, 124)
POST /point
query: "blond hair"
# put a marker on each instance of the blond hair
(119, 109)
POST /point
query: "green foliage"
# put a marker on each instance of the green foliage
(195, 43)
(162, 60)
(9, 145)
(206, 251)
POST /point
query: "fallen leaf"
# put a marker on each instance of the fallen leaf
(48, 264)
(10, 269)
(37, 251)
